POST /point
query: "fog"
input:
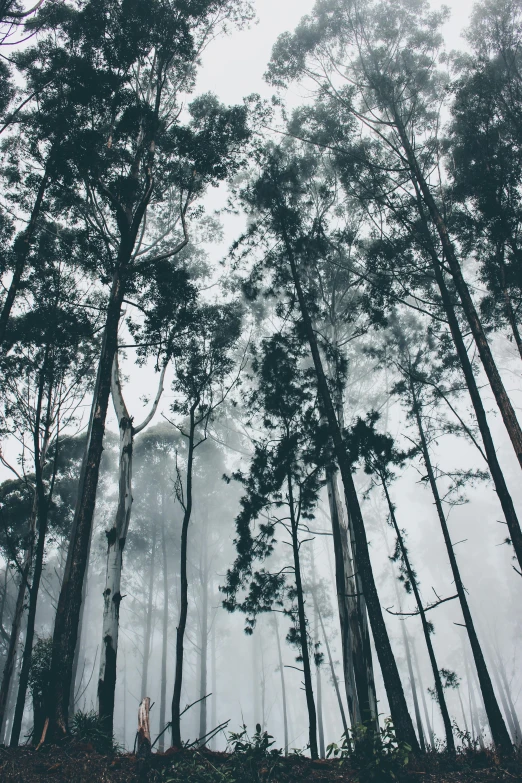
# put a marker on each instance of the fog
(234, 679)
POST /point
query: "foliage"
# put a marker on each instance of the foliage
(40, 667)
(89, 727)
(378, 758)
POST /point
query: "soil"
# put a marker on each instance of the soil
(80, 763)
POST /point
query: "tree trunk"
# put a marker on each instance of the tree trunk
(334, 677)
(303, 633)
(507, 688)
(69, 603)
(116, 538)
(214, 680)
(318, 666)
(165, 629)
(423, 697)
(392, 682)
(180, 631)
(31, 618)
(450, 744)
(498, 728)
(504, 403)
(346, 601)
(489, 447)
(17, 619)
(413, 686)
(466, 729)
(283, 684)
(22, 247)
(144, 743)
(147, 636)
(473, 703)
(203, 639)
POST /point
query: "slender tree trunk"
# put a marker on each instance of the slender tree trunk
(466, 729)
(204, 638)
(450, 744)
(489, 447)
(334, 677)
(507, 688)
(507, 711)
(116, 538)
(165, 629)
(473, 703)
(22, 247)
(322, 751)
(498, 728)
(255, 679)
(303, 633)
(504, 403)
(318, 666)
(17, 618)
(283, 684)
(413, 686)
(423, 697)
(214, 679)
(392, 682)
(180, 631)
(147, 637)
(31, 618)
(114, 561)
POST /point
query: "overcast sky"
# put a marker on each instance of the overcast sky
(233, 66)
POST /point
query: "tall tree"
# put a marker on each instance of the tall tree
(130, 158)
(277, 196)
(204, 377)
(284, 474)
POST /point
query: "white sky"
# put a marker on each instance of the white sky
(233, 66)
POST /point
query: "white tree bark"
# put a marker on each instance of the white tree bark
(116, 537)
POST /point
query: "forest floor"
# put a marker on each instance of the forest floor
(80, 763)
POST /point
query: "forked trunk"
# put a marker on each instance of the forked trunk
(116, 538)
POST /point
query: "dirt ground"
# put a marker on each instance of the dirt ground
(79, 763)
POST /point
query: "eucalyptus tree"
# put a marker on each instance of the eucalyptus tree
(46, 376)
(415, 389)
(379, 455)
(334, 296)
(281, 491)
(391, 85)
(485, 137)
(206, 371)
(125, 155)
(170, 297)
(277, 199)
